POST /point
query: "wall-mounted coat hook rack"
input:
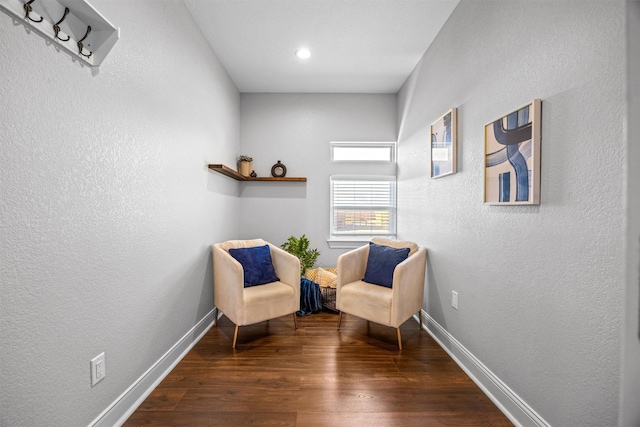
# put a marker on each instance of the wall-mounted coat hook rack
(70, 19)
(56, 26)
(27, 11)
(81, 46)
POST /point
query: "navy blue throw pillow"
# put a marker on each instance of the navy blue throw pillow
(382, 262)
(256, 264)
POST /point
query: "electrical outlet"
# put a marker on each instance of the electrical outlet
(98, 369)
(454, 299)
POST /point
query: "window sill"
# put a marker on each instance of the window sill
(352, 242)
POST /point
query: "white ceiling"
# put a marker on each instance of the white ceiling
(357, 46)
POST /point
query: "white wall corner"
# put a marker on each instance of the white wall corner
(514, 408)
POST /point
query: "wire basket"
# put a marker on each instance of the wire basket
(325, 277)
(329, 298)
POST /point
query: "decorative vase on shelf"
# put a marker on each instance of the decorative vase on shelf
(278, 170)
(244, 168)
(245, 165)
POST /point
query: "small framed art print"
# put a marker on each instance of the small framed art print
(443, 145)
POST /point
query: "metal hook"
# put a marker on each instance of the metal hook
(81, 46)
(56, 26)
(28, 9)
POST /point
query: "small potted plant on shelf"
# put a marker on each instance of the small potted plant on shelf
(245, 165)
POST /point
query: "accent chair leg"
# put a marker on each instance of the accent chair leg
(339, 319)
(295, 321)
(215, 318)
(420, 317)
(235, 337)
(399, 339)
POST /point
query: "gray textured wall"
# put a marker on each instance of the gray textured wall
(630, 410)
(540, 287)
(107, 208)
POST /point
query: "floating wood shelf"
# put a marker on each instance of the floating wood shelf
(225, 170)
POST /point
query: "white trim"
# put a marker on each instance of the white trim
(512, 405)
(335, 243)
(122, 408)
(338, 242)
(363, 177)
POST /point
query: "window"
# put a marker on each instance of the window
(363, 207)
(362, 192)
(363, 151)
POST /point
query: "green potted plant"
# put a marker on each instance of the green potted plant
(244, 165)
(300, 248)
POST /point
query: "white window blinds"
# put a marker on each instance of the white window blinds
(363, 206)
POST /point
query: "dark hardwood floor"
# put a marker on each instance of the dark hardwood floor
(317, 376)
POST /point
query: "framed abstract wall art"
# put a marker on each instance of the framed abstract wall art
(512, 158)
(443, 145)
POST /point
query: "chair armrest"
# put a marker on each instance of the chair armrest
(408, 287)
(352, 265)
(287, 267)
(228, 283)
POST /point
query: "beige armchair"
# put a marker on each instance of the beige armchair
(387, 306)
(249, 305)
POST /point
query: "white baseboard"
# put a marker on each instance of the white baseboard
(506, 400)
(122, 408)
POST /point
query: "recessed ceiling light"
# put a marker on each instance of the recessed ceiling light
(303, 53)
